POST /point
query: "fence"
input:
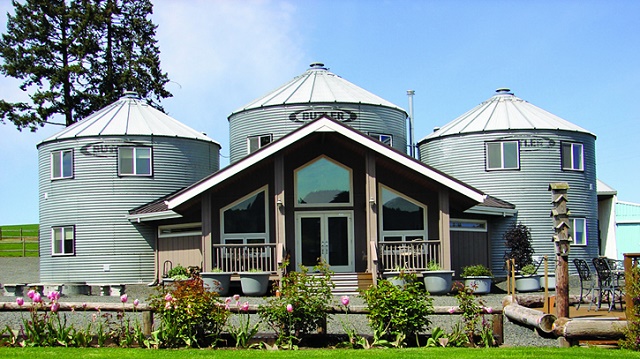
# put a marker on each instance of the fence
(21, 241)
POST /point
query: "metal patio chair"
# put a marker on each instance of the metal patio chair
(608, 282)
(586, 280)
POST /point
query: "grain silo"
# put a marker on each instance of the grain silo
(93, 172)
(512, 150)
(315, 93)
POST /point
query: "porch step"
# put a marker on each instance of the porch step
(350, 283)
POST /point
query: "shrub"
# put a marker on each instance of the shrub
(518, 242)
(529, 269)
(476, 328)
(398, 312)
(302, 304)
(632, 333)
(190, 315)
(178, 272)
(477, 270)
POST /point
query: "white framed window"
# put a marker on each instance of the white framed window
(134, 161)
(384, 138)
(180, 230)
(572, 156)
(402, 219)
(63, 240)
(323, 182)
(579, 231)
(62, 164)
(503, 155)
(245, 221)
(255, 143)
(467, 225)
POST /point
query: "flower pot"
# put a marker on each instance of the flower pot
(216, 282)
(394, 278)
(438, 281)
(528, 283)
(254, 284)
(551, 280)
(479, 284)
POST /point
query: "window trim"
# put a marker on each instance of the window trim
(424, 233)
(135, 149)
(53, 240)
(244, 236)
(584, 231)
(502, 153)
(62, 152)
(572, 144)
(258, 137)
(377, 135)
(317, 205)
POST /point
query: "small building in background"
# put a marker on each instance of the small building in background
(627, 228)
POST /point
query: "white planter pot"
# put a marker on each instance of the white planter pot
(479, 285)
(393, 278)
(528, 283)
(254, 284)
(551, 279)
(438, 282)
(217, 282)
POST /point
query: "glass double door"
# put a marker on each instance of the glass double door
(327, 235)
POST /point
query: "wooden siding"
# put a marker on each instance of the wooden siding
(108, 247)
(463, 157)
(275, 121)
(185, 251)
(468, 248)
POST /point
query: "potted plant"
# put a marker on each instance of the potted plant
(478, 278)
(176, 273)
(527, 280)
(437, 280)
(255, 282)
(396, 277)
(217, 281)
(520, 253)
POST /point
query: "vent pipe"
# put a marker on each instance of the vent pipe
(412, 147)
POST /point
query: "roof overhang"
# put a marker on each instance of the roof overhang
(323, 124)
(153, 216)
(492, 211)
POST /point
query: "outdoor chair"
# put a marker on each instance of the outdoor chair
(586, 280)
(608, 282)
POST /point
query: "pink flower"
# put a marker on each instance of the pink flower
(84, 305)
(167, 305)
(289, 308)
(451, 310)
(37, 298)
(227, 300)
(488, 309)
(345, 300)
(20, 301)
(168, 297)
(53, 295)
(124, 298)
(55, 306)
(136, 302)
(236, 297)
(31, 293)
(245, 306)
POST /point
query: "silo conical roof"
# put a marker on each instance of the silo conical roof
(128, 116)
(317, 85)
(504, 111)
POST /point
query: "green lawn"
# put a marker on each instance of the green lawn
(431, 353)
(12, 248)
(10, 240)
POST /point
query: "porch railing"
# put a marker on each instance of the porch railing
(245, 257)
(412, 256)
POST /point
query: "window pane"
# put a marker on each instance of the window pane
(247, 216)
(57, 240)
(494, 155)
(265, 140)
(323, 182)
(577, 156)
(253, 144)
(55, 165)
(67, 164)
(143, 161)
(580, 235)
(400, 214)
(566, 155)
(510, 154)
(125, 160)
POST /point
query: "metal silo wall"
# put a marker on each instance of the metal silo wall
(96, 201)
(463, 157)
(275, 120)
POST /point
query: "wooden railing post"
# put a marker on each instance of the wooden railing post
(147, 322)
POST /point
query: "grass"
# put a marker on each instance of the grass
(431, 353)
(10, 241)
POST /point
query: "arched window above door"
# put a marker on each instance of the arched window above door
(323, 182)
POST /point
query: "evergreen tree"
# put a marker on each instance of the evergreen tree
(76, 56)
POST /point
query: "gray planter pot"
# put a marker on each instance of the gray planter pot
(551, 280)
(438, 282)
(528, 283)
(254, 284)
(479, 285)
(217, 282)
(393, 278)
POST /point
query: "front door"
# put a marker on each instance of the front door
(326, 235)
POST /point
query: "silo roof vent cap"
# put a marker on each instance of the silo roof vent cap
(504, 91)
(130, 94)
(317, 66)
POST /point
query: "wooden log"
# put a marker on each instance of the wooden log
(64, 306)
(589, 329)
(530, 317)
(534, 300)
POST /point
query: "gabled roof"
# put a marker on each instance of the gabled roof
(317, 85)
(604, 189)
(128, 116)
(323, 124)
(504, 111)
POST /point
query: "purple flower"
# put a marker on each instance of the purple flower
(168, 297)
(451, 310)
(245, 306)
(20, 301)
(55, 306)
(136, 302)
(31, 293)
(53, 295)
(37, 298)
(289, 308)
(124, 298)
(345, 300)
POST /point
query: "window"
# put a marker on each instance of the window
(503, 155)
(245, 221)
(255, 143)
(467, 225)
(323, 182)
(579, 231)
(62, 240)
(572, 156)
(134, 161)
(402, 218)
(180, 230)
(386, 139)
(62, 164)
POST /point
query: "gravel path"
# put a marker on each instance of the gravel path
(25, 270)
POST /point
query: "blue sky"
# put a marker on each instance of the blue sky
(579, 60)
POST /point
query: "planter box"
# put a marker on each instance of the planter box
(479, 285)
(528, 283)
(254, 284)
(217, 282)
(438, 282)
